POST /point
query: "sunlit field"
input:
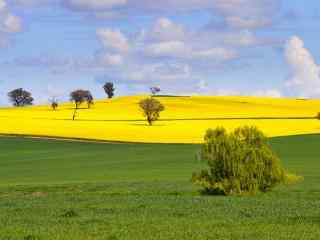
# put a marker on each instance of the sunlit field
(184, 121)
(79, 191)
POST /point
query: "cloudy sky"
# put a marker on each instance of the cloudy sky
(202, 47)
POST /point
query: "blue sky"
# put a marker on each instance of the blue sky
(199, 47)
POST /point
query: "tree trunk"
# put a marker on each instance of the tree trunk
(75, 112)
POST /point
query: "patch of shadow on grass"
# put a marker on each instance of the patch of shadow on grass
(305, 219)
(70, 214)
(31, 237)
(112, 237)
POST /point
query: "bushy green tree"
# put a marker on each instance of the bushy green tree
(241, 162)
(151, 109)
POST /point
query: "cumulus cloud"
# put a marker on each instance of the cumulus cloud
(240, 14)
(247, 14)
(304, 71)
(113, 40)
(9, 23)
(166, 30)
(168, 49)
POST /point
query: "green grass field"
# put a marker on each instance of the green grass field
(79, 191)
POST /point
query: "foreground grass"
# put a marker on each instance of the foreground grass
(144, 192)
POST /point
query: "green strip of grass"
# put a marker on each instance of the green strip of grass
(34, 161)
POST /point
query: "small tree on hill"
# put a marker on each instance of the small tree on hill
(155, 90)
(318, 116)
(151, 109)
(54, 103)
(109, 89)
(239, 163)
(89, 100)
(79, 97)
(20, 97)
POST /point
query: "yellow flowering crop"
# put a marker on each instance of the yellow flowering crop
(185, 119)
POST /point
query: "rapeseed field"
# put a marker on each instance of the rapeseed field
(185, 119)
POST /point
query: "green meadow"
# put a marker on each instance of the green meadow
(52, 189)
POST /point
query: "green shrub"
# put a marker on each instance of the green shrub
(241, 162)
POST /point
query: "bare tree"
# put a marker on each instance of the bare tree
(151, 109)
(79, 97)
(20, 97)
(109, 89)
(54, 103)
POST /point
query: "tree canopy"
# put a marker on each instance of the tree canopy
(151, 109)
(80, 96)
(109, 89)
(20, 97)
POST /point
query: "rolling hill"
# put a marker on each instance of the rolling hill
(185, 119)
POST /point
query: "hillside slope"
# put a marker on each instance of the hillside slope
(184, 121)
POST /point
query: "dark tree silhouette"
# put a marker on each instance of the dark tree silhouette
(79, 97)
(151, 109)
(54, 103)
(155, 90)
(20, 97)
(109, 89)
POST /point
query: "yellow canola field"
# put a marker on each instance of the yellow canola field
(185, 119)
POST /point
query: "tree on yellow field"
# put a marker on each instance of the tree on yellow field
(79, 97)
(151, 109)
(20, 97)
(240, 162)
(54, 103)
(109, 89)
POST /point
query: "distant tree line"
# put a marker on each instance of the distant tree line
(150, 107)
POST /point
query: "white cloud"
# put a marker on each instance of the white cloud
(9, 23)
(111, 60)
(178, 49)
(167, 49)
(304, 71)
(275, 93)
(93, 5)
(113, 40)
(33, 2)
(12, 24)
(242, 38)
(165, 30)
(247, 14)
(3, 5)
(218, 54)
